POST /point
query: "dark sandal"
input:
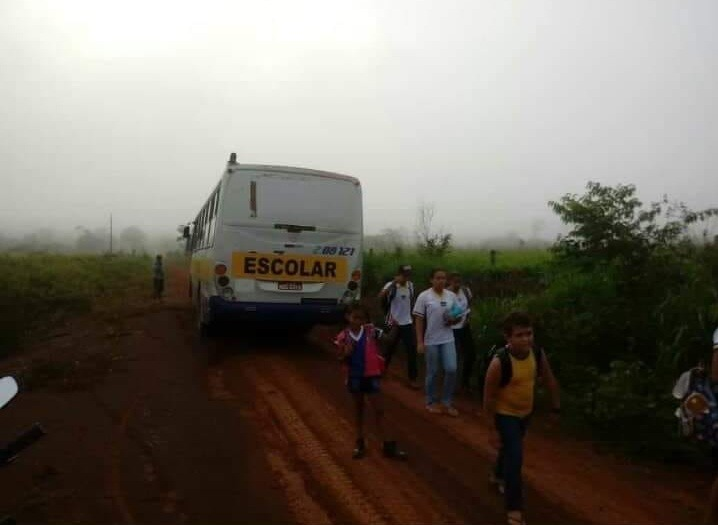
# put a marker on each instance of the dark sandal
(360, 450)
(392, 451)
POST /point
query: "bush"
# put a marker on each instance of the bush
(630, 303)
(623, 305)
(520, 271)
(41, 290)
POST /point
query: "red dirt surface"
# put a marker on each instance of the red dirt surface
(148, 424)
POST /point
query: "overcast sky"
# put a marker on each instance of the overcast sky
(486, 108)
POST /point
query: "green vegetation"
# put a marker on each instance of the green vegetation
(624, 303)
(475, 265)
(40, 290)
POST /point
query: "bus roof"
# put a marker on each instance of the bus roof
(290, 169)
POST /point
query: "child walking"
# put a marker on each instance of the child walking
(358, 346)
(158, 278)
(509, 403)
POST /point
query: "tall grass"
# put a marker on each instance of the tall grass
(39, 290)
(475, 265)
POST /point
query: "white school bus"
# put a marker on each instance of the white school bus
(276, 244)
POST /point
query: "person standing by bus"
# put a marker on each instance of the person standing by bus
(397, 299)
(158, 277)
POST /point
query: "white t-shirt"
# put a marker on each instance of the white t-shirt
(400, 308)
(433, 308)
(463, 302)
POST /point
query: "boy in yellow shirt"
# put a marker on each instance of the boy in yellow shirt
(509, 403)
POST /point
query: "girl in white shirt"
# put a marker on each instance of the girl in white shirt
(435, 338)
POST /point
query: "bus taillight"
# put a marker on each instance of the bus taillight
(356, 275)
(220, 269)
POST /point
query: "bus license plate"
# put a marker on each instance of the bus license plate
(295, 287)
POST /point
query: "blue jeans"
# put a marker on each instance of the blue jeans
(512, 430)
(446, 353)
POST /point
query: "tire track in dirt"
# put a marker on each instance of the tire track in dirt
(113, 478)
(323, 469)
(405, 497)
(601, 487)
(458, 472)
(571, 491)
(454, 473)
(304, 508)
(124, 433)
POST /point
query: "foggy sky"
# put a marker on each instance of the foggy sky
(487, 109)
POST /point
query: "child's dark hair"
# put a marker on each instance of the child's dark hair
(359, 308)
(516, 320)
(434, 271)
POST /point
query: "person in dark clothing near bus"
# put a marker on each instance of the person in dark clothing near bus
(158, 277)
(397, 298)
(463, 337)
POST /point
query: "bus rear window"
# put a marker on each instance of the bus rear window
(300, 200)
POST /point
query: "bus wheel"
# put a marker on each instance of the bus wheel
(205, 325)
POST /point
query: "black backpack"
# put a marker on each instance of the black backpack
(507, 371)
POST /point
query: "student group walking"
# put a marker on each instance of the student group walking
(436, 324)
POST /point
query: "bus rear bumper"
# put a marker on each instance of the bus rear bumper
(280, 314)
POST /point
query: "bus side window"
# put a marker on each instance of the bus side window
(253, 198)
(206, 224)
(203, 230)
(213, 217)
(195, 226)
(200, 229)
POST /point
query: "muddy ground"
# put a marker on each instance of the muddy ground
(149, 424)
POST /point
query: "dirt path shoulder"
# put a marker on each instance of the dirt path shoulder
(148, 424)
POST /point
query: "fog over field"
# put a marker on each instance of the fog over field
(485, 109)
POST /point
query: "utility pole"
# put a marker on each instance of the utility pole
(110, 234)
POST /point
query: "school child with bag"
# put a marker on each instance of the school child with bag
(358, 346)
(397, 300)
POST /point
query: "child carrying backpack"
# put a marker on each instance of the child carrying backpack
(698, 414)
(509, 403)
(358, 347)
(698, 411)
(397, 300)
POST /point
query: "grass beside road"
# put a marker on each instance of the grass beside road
(475, 265)
(39, 291)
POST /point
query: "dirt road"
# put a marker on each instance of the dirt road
(256, 428)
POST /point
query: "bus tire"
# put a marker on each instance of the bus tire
(204, 324)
